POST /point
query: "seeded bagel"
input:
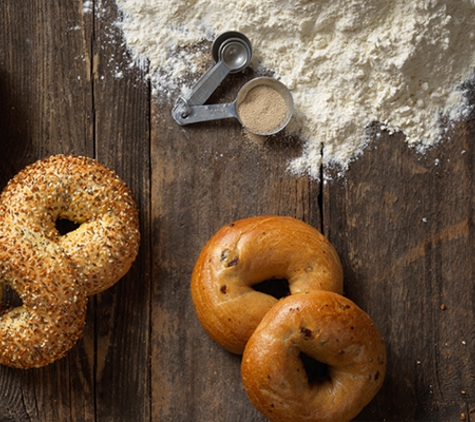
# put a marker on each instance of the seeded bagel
(51, 318)
(82, 191)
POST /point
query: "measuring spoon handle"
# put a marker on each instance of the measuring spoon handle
(205, 113)
(207, 84)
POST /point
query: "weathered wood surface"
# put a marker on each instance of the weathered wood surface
(401, 221)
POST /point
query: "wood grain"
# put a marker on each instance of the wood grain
(401, 221)
(404, 228)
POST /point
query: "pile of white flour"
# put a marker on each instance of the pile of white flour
(347, 62)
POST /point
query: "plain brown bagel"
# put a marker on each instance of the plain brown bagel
(325, 327)
(247, 252)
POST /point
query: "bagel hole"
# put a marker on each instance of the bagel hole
(276, 287)
(65, 226)
(10, 298)
(317, 372)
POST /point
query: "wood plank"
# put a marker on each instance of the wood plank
(122, 141)
(63, 95)
(203, 177)
(45, 80)
(402, 222)
(46, 109)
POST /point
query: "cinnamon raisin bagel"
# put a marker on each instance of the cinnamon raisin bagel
(51, 318)
(82, 191)
(250, 251)
(321, 328)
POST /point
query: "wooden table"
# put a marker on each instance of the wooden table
(401, 221)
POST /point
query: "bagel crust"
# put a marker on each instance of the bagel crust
(247, 252)
(51, 319)
(328, 328)
(83, 191)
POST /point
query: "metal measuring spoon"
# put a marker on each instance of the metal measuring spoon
(204, 113)
(232, 52)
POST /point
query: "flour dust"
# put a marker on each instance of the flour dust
(348, 63)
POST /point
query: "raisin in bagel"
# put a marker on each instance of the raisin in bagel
(248, 252)
(83, 191)
(315, 326)
(51, 318)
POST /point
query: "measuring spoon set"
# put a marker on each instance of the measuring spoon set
(232, 53)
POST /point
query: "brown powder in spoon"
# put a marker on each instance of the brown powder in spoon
(263, 110)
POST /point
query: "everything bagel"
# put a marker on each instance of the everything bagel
(325, 327)
(80, 190)
(51, 317)
(250, 251)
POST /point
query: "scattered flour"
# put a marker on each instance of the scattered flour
(348, 62)
(87, 6)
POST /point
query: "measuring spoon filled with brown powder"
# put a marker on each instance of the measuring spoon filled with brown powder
(264, 106)
(263, 109)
